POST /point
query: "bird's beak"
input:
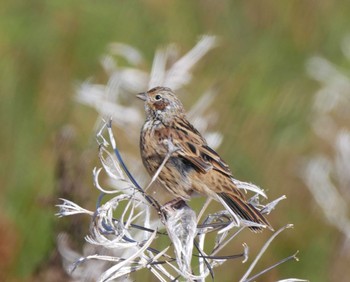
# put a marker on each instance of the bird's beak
(142, 96)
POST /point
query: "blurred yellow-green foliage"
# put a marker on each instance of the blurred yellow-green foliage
(48, 47)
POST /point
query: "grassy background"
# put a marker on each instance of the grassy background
(47, 47)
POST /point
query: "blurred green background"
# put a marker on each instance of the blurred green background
(48, 47)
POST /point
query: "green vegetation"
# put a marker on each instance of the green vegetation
(265, 96)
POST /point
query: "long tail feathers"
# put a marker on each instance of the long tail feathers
(245, 211)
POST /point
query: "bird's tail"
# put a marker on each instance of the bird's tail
(245, 211)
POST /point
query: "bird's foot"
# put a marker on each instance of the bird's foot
(174, 204)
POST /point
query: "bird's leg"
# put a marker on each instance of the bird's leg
(173, 204)
(169, 207)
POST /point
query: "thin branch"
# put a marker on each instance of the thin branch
(262, 251)
(294, 256)
(152, 201)
(171, 149)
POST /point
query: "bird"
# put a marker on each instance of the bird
(189, 166)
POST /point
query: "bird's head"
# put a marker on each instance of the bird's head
(161, 103)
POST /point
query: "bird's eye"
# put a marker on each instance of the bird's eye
(158, 97)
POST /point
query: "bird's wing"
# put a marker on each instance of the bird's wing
(193, 147)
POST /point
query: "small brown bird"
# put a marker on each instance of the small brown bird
(192, 167)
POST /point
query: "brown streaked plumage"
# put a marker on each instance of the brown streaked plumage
(194, 168)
